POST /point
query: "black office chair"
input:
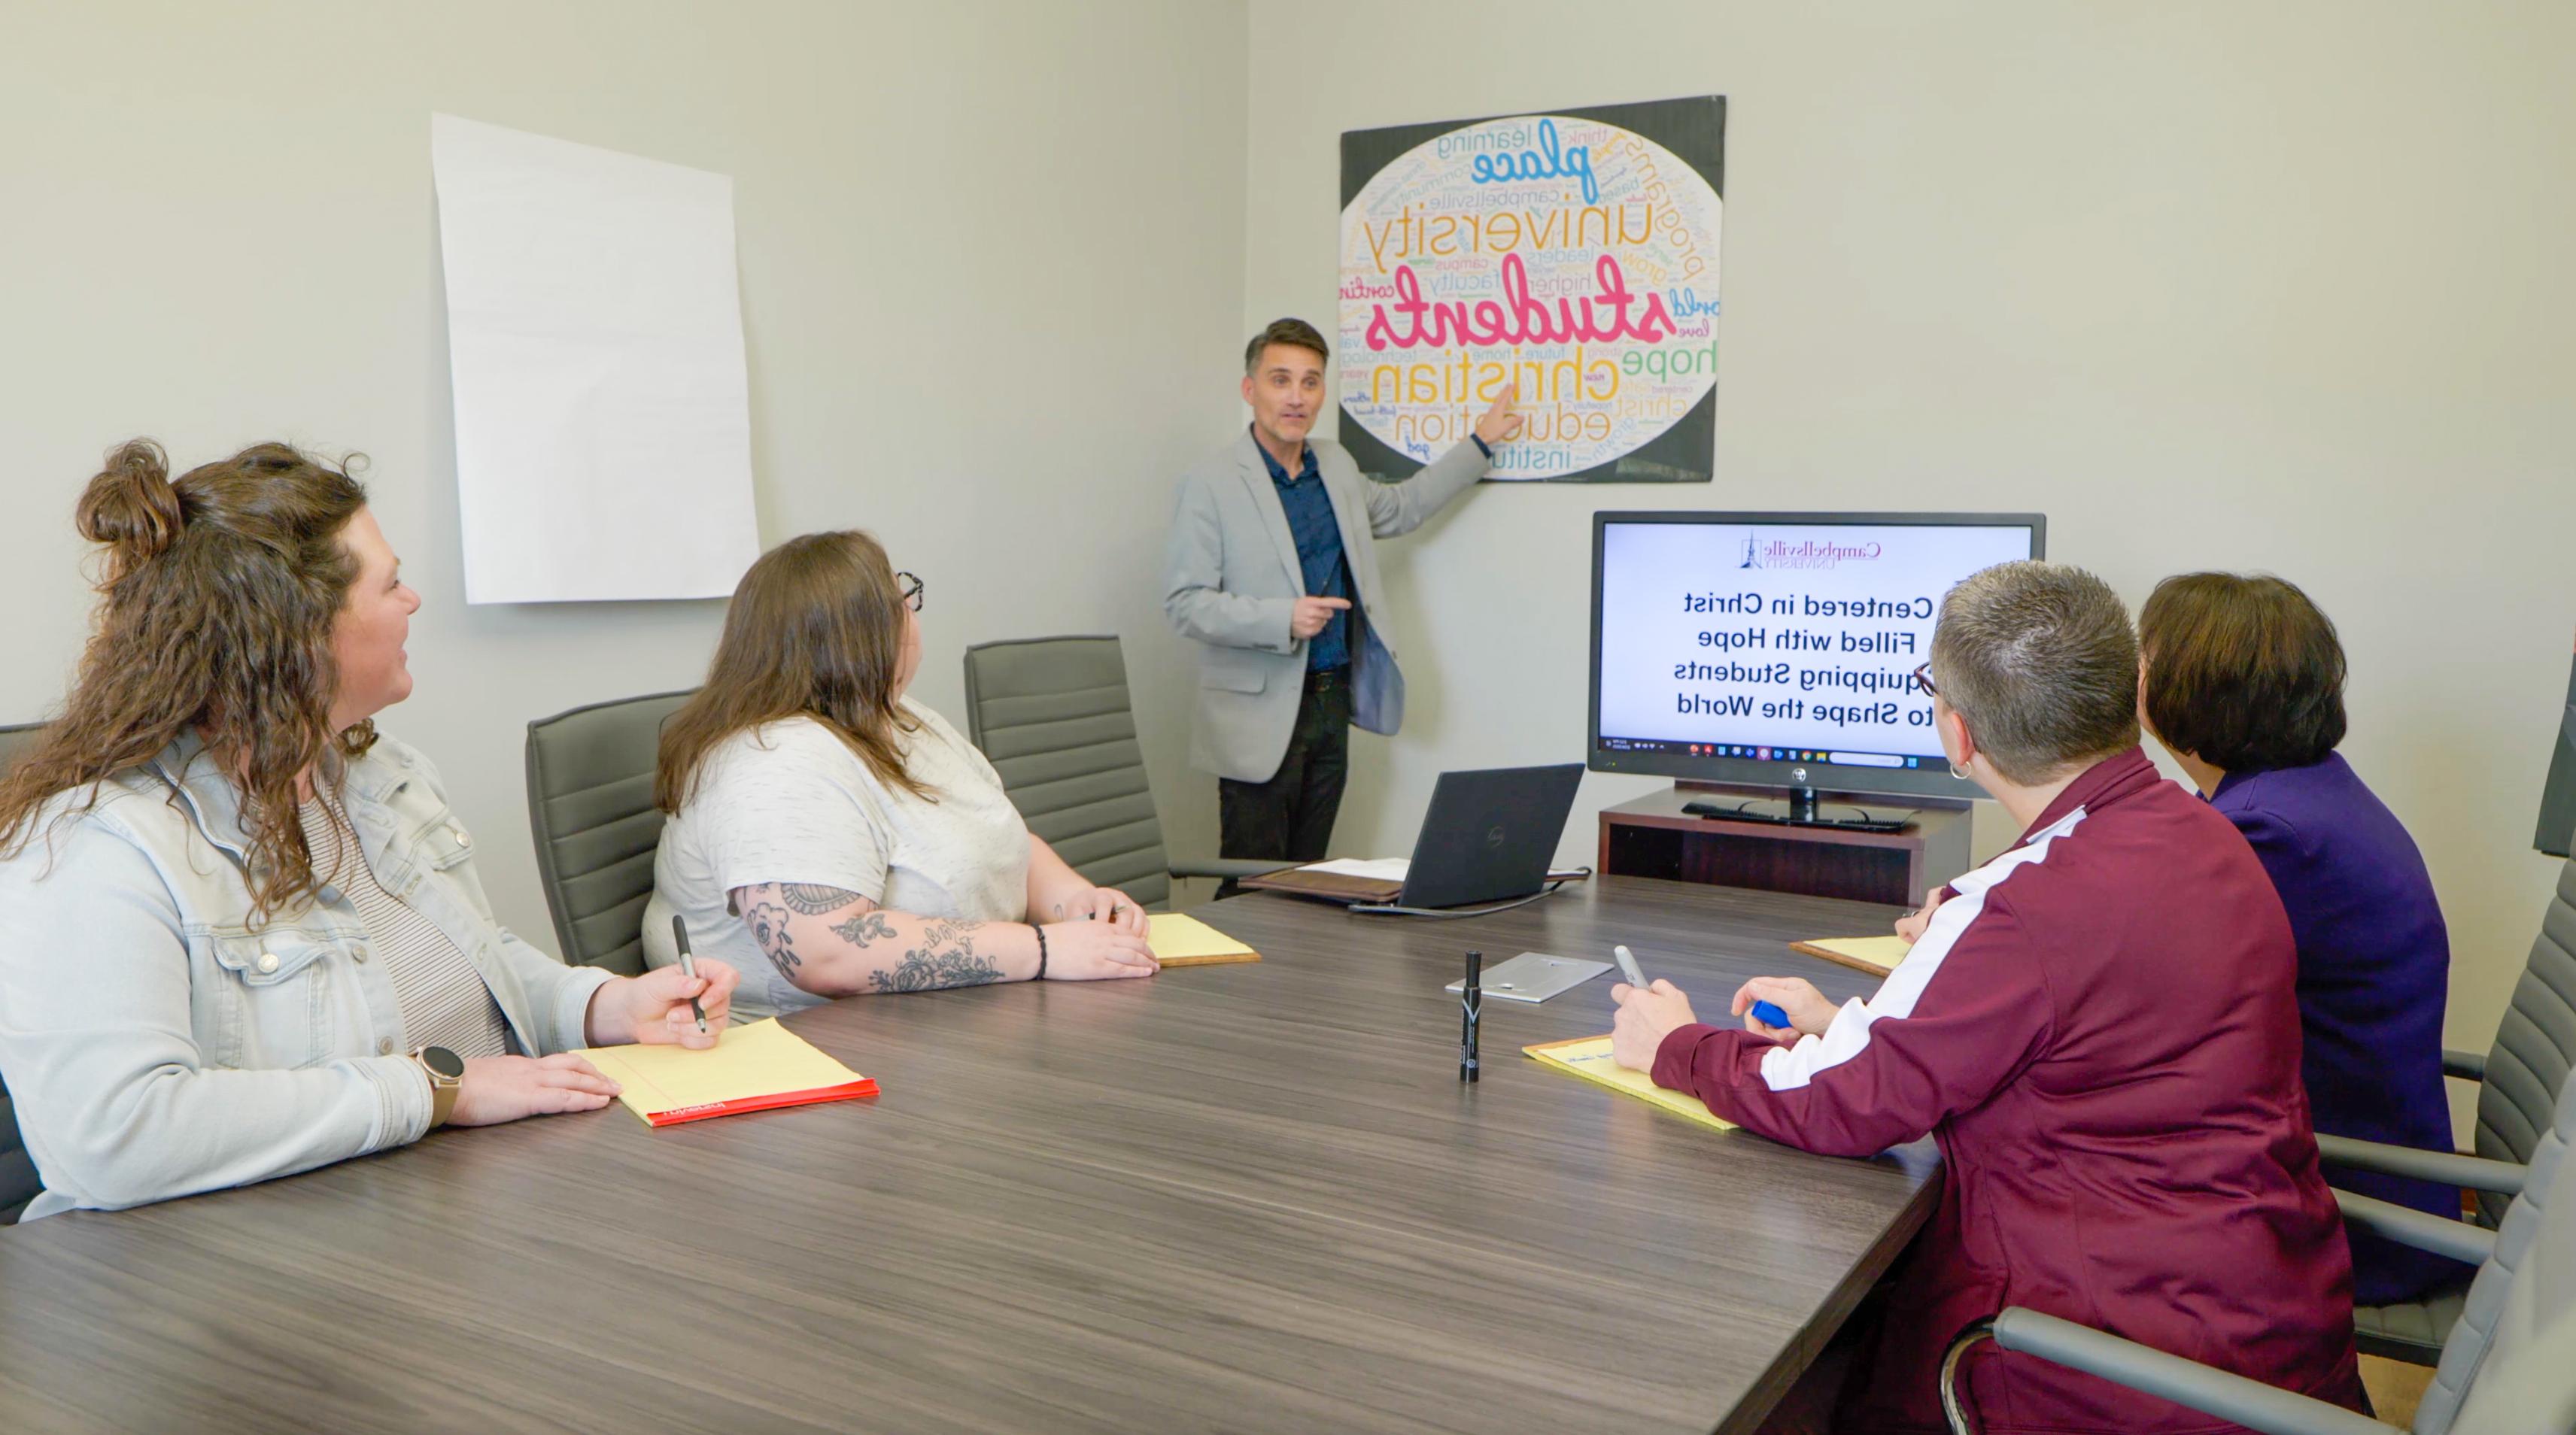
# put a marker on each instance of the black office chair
(2520, 1080)
(1054, 717)
(2507, 1367)
(18, 1183)
(590, 805)
(16, 738)
(2520, 1076)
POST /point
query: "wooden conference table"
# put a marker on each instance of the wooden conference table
(1229, 1198)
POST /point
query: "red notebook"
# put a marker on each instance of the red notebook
(759, 1067)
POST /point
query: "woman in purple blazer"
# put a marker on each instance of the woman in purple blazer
(2242, 680)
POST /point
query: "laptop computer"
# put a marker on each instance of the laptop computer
(1487, 837)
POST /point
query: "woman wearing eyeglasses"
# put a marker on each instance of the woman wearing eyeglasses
(831, 837)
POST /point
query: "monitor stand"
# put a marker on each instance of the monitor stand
(1750, 840)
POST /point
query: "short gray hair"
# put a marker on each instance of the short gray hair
(2041, 661)
(1295, 333)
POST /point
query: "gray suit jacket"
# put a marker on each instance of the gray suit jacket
(1231, 577)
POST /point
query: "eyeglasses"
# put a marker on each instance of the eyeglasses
(910, 589)
(1923, 677)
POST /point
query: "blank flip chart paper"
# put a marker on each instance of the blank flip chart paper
(594, 329)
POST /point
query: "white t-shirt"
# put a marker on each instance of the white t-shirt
(790, 802)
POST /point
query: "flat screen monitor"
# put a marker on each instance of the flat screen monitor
(1779, 649)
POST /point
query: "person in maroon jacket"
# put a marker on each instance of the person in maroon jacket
(2101, 1029)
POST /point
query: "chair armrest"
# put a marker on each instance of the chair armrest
(2409, 1227)
(2466, 1065)
(2478, 1173)
(2227, 1396)
(1225, 866)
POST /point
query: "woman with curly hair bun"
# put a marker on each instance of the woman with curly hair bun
(241, 933)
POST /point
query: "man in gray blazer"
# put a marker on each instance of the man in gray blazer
(1270, 568)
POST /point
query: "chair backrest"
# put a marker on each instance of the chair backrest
(590, 802)
(2529, 1063)
(18, 1183)
(2531, 1393)
(2524, 1298)
(16, 738)
(1053, 716)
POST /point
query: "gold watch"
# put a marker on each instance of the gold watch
(446, 1072)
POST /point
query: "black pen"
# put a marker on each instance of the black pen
(1472, 999)
(688, 968)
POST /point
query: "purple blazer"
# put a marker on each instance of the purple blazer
(2374, 974)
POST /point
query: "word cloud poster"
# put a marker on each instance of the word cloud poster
(1573, 253)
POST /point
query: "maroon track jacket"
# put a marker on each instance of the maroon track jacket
(2101, 1030)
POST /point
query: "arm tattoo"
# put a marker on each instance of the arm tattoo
(864, 928)
(945, 958)
(814, 899)
(768, 923)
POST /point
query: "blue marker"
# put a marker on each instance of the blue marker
(1768, 1013)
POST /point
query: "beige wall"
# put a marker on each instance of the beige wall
(991, 263)
(2274, 285)
(2271, 285)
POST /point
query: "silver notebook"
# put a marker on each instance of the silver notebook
(1533, 977)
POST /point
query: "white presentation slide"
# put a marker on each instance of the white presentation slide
(1769, 636)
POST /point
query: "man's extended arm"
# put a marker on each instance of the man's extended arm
(1396, 508)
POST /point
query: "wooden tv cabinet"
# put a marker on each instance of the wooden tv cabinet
(1652, 837)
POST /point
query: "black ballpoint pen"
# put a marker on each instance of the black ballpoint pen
(688, 968)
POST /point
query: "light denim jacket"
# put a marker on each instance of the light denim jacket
(157, 1046)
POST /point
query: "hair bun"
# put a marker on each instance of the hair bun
(131, 507)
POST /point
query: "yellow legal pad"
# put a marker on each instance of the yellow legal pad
(1589, 1058)
(750, 1068)
(1181, 940)
(1867, 954)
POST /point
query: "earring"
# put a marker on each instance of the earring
(1955, 772)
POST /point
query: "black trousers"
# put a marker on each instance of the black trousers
(1290, 817)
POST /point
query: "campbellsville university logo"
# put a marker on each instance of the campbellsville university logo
(1805, 553)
